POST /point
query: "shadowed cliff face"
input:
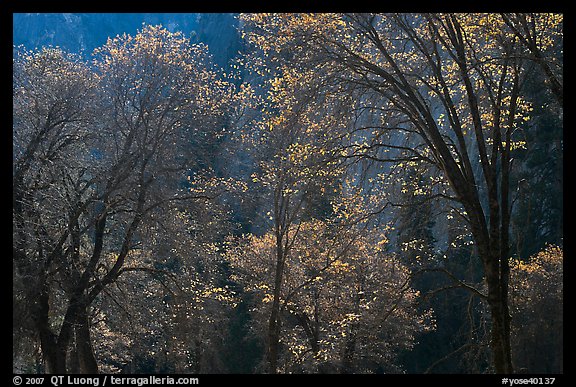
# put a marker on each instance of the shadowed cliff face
(83, 32)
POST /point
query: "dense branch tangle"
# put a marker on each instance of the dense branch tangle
(344, 118)
(99, 155)
(456, 78)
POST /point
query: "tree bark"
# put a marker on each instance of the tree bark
(274, 322)
(84, 350)
(48, 340)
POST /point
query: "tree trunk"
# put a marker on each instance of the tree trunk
(497, 282)
(84, 350)
(346, 366)
(311, 332)
(274, 327)
(54, 362)
(197, 356)
(274, 321)
(500, 341)
(47, 340)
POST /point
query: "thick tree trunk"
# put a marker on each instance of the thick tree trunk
(71, 350)
(492, 249)
(54, 362)
(496, 274)
(48, 345)
(500, 341)
(86, 358)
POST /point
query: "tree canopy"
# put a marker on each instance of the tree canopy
(354, 193)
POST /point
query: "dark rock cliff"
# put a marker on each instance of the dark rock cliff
(83, 32)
